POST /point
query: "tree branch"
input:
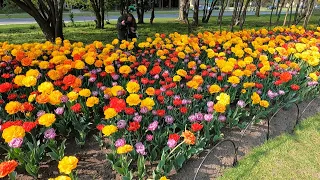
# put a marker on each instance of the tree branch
(24, 7)
(32, 7)
(44, 10)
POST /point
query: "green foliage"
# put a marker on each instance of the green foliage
(9, 8)
(109, 4)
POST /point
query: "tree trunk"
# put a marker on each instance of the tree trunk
(98, 8)
(228, 3)
(140, 10)
(169, 5)
(244, 13)
(205, 9)
(185, 15)
(186, 11)
(48, 14)
(270, 20)
(289, 23)
(196, 13)
(308, 13)
(122, 7)
(152, 12)
(285, 17)
(221, 12)
(237, 13)
(102, 9)
(59, 19)
(288, 9)
(277, 8)
(296, 13)
(279, 13)
(258, 8)
(208, 13)
(181, 6)
(235, 8)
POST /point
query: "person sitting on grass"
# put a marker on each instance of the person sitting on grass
(126, 27)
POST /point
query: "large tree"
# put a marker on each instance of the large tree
(47, 13)
(98, 7)
(258, 7)
(208, 9)
(152, 11)
(182, 5)
(196, 13)
(141, 8)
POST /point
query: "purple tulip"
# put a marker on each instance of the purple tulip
(149, 137)
(92, 79)
(16, 142)
(281, 92)
(59, 110)
(144, 110)
(64, 98)
(169, 119)
(153, 126)
(171, 143)
(50, 133)
(210, 110)
(208, 117)
(120, 142)
(106, 96)
(312, 83)
(137, 118)
(115, 76)
(199, 116)
(140, 148)
(156, 76)
(184, 101)
(210, 104)
(95, 93)
(121, 124)
(222, 118)
(241, 103)
(192, 118)
(40, 113)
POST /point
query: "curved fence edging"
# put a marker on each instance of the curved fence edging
(236, 148)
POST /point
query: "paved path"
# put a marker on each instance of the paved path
(112, 17)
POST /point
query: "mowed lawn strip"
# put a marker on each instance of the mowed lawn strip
(288, 156)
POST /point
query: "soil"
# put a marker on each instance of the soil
(93, 164)
(222, 157)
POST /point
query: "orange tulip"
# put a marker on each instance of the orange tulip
(7, 167)
(189, 137)
(42, 99)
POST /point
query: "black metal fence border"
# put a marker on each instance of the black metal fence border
(235, 147)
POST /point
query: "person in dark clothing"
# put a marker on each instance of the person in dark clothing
(126, 27)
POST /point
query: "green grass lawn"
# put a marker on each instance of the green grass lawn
(5, 15)
(288, 156)
(86, 32)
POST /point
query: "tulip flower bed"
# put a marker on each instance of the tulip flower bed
(157, 102)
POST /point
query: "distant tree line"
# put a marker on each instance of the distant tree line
(49, 13)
